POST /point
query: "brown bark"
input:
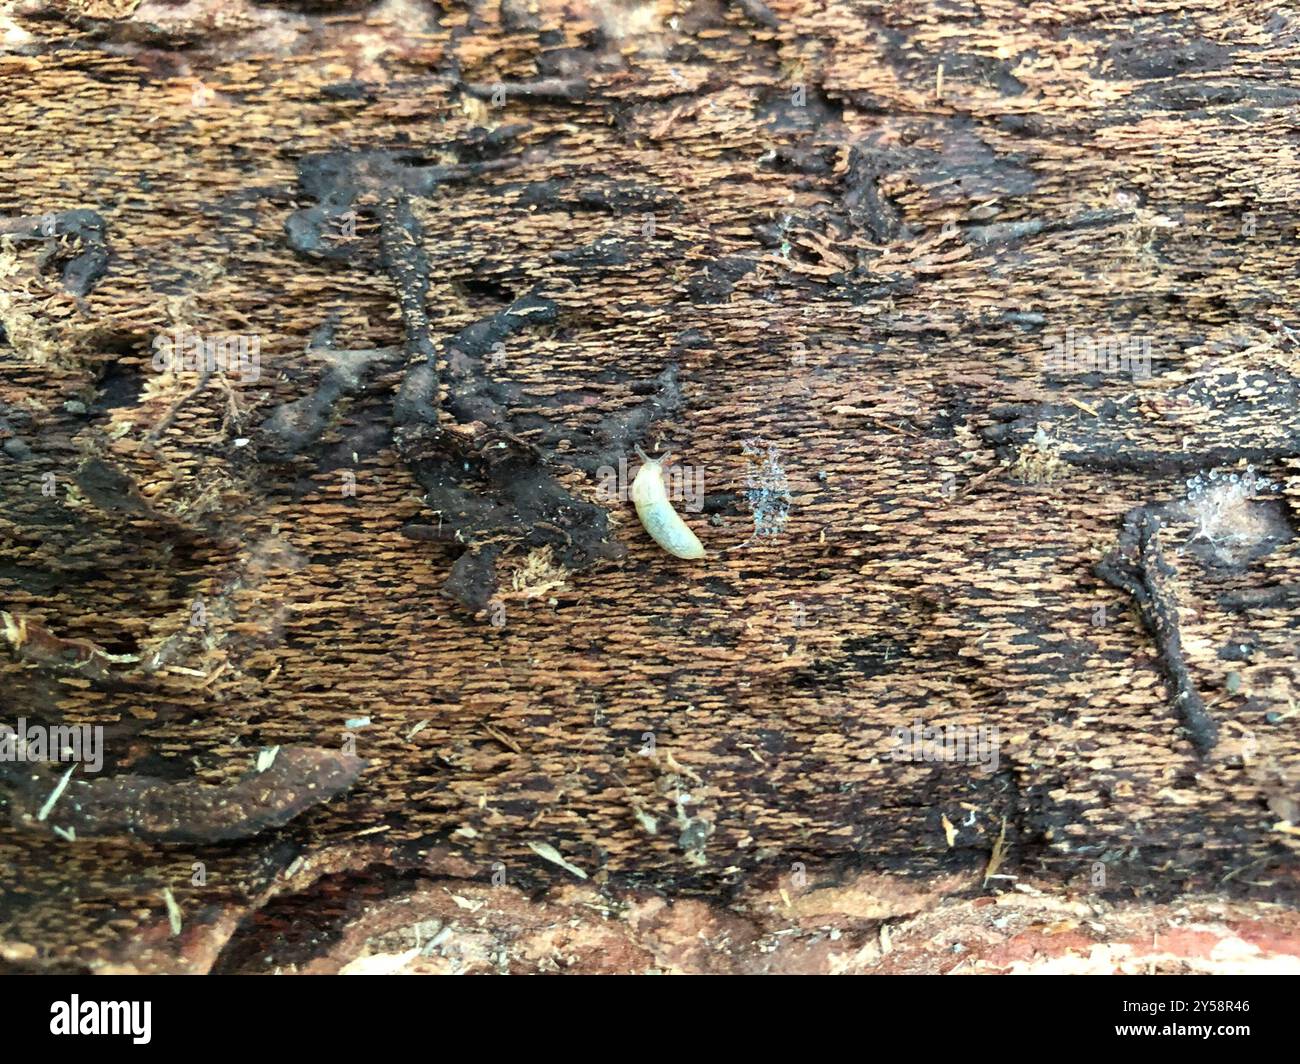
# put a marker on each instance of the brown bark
(887, 276)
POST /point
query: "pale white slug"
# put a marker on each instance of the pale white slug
(650, 497)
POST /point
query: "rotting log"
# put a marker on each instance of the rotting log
(965, 321)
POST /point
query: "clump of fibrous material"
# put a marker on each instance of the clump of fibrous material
(538, 576)
(1039, 460)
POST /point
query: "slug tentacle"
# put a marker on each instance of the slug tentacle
(650, 497)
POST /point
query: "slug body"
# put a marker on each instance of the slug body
(650, 497)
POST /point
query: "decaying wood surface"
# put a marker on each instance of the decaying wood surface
(851, 263)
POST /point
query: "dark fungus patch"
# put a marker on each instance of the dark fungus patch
(1164, 55)
(83, 270)
(488, 454)
(1137, 566)
(159, 810)
(1198, 97)
(618, 197)
(715, 281)
(868, 207)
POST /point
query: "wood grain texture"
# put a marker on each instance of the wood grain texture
(897, 254)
